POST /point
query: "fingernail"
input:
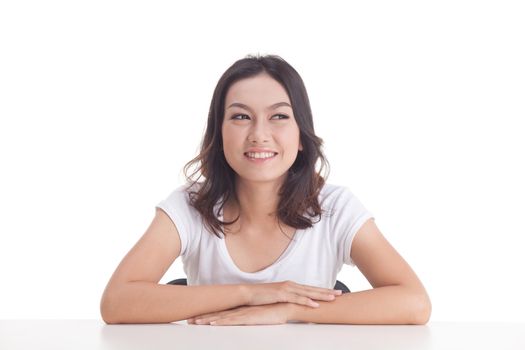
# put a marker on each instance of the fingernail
(314, 304)
(213, 323)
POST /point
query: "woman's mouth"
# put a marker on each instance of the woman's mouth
(260, 157)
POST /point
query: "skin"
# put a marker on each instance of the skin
(246, 315)
(257, 185)
(397, 297)
(261, 126)
(134, 296)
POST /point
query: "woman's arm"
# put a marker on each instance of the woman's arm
(148, 302)
(398, 296)
(133, 294)
(383, 305)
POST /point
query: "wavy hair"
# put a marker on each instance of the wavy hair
(299, 192)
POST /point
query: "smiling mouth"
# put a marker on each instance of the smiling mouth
(261, 155)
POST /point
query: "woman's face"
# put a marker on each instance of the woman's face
(258, 118)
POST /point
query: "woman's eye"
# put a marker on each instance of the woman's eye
(240, 116)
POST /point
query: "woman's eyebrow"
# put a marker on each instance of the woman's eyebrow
(274, 106)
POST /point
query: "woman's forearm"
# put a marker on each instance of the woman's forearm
(382, 305)
(148, 302)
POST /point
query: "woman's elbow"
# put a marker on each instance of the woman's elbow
(108, 309)
(422, 310)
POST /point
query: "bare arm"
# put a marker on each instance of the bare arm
(147, 302)
(398, 296)
(383, 305)
(133, 294)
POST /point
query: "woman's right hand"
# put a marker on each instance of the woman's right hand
(290, 292)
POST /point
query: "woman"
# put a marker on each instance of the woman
(263, 236)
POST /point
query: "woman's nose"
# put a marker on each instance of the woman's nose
(259, 132)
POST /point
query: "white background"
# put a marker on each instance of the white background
(419, 103)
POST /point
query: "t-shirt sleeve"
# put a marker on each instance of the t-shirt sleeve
(349, 214)
(183, 215)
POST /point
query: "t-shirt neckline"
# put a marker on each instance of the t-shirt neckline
(286, 254)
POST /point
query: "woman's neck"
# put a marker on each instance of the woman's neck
(257, 203)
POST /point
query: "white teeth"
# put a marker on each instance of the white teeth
(260, 155)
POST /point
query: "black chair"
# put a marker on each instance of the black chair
(338, 284)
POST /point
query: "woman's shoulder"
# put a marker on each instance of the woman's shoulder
(180, 196)
(331, 191)
(334, 195)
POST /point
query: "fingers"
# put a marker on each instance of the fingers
(207, 319)
(214, 315)
(193, 320)
(289, 292)
(306, 295)
(324, 296)
(203, 319)
(302, 300)
(211, 314)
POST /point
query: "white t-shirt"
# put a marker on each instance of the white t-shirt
(314, 256)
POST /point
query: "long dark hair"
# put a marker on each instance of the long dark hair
(300, 190)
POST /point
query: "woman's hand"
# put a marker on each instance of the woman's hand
(288, 292)
(246, 315)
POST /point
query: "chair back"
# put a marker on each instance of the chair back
(338, 284)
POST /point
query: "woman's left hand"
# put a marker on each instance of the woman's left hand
(246, 315)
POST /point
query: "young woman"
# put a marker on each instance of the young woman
(262, 236)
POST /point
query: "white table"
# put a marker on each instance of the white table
(95, 334)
